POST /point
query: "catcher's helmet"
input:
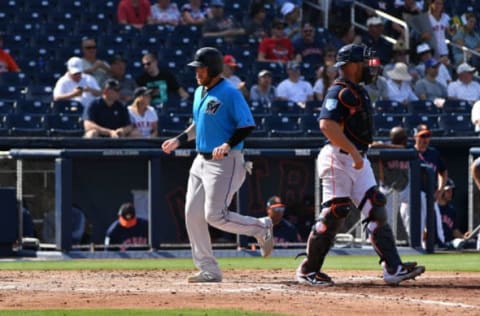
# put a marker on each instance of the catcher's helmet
(208, 57)
(353, 53)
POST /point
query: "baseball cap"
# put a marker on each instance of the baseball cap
(374, 20)
(275, 204)
(75, 65)
(264, 72)
(449, 185)
(423, 48)
(287, 8)
(432, 62)
(217, 3)
(111, 84)
(464, 67)
(293, 65)
(229, 60)
(142, 91)
(126, 215)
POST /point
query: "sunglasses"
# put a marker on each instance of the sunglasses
(147, 63)
(278, 209)
(426, 136)
(90, 47)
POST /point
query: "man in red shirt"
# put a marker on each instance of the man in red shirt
(134, 12)
(7, 63)
(278, 47)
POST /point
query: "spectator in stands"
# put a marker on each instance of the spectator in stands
(218, 25)
(117, 71)
(7, 63)
(143, 116)
(134, 12)
(263, 92)
(128, 230)
(277, 47)
(161, 80)
(330, 57)
(376, 84)
(440, 26)
(467, 36)
(373, 38)
(424, 52)
(256, 26)
(294, 88)
(283, 230)
(326, 75)
(475, 116)
(91, 64)
(400, 55)
(166, 13)
(292, 15)
(107, 116)
(229, 67)
(464, 88)
(399, 88)
(194, 12)
(428, 88)
(404, 12)
(308, 48)
(76, 85)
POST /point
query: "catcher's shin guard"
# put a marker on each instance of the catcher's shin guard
(381, 233)
(323, 233)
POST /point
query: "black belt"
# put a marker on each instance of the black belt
(362, 152)
(209, 156)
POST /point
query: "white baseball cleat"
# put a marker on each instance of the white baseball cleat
(404, 272)
(266, 239)
(204, 276)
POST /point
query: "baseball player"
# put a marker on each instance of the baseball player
(221, 122)
(348, 182)
(128, 229)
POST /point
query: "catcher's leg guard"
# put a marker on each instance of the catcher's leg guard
(323, 233)
(381, 233)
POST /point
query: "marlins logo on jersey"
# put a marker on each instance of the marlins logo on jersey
(212, 106)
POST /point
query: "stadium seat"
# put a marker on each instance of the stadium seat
(456, 124)
(422, 107)
(260, 109)
(389, 107)
(40, 92)
(32, 107)
(383, 123)
(283, 126)
(283, 108)
(177, 107)
(64, 125)
(457, 106)
(67, 107)
(260, 128)
(171, 125)
(3, 125)
(26, 125)
(17, 79)
(411, 121)
(7, 107)
(10, 92)
(310, 126)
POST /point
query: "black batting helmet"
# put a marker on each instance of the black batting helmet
(209, 57)
(353, 53)
(127, 211)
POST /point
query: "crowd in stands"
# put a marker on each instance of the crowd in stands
(57, 55)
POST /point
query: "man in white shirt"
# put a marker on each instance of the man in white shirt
(475, 116)
(398, 86)
(294, 88)
(76, 85)
(464, 88)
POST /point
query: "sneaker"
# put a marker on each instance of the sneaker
(266, 240)
(314, 278)
(407, 271)
(204, 276)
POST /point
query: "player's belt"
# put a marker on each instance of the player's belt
(362, 152)
(208, 156)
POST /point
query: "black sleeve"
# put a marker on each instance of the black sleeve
(239, 135)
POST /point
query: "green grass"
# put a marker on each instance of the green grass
(462, 262)
(138, 312)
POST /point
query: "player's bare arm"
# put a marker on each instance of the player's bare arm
(173, 143)
(335, 135)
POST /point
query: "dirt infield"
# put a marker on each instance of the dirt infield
(355, 292)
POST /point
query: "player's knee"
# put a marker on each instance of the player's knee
(332, 215)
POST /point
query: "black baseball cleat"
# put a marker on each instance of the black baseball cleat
(405, 271)
(314, 278)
